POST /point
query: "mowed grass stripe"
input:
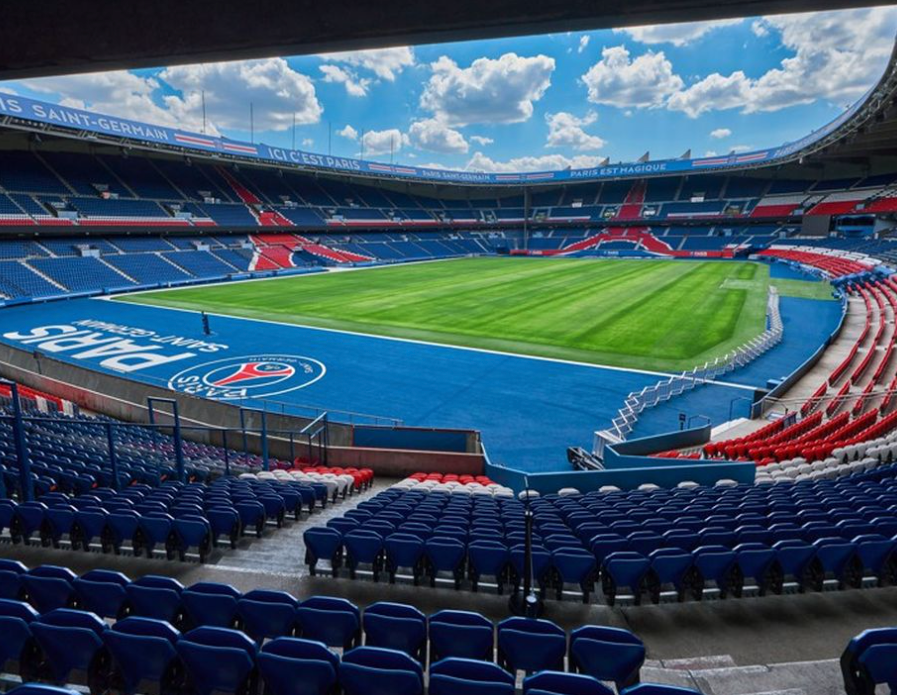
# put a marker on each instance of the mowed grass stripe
(661, 315)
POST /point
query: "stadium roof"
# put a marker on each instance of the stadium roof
(51, 38)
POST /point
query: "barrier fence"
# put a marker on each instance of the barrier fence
(38, 444)
(666, 389)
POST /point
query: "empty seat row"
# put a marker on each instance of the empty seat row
(73, 647)
(54, 644)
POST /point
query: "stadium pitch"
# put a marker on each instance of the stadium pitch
(656, 315)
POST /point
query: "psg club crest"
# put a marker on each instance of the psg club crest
(253, 376)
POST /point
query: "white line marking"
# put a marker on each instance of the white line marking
(414, 341)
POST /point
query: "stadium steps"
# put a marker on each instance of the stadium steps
(55, 173)
(167, 180)
(242, 191)
(120, 272)
(272, 218)
(121, 182)
(43, 248)
(44, 276)
(166, 256)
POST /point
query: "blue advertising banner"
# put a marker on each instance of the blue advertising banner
(89, 122)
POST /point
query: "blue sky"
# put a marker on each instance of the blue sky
(530, 103)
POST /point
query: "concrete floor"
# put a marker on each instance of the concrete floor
(783, 644)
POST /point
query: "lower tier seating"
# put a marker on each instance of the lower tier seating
(106, 631)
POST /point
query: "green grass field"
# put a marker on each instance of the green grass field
(662, 315)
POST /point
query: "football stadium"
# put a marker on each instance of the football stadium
(538, 417)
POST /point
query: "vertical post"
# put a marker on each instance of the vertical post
(178, 445)
(293, 147)
(251, 124)
(525, 217)
(113, 459)
(245, 439)
(265, 464)
(18, 426)
(292, 448)
(203, 93)
(226, 456)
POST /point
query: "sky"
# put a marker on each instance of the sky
(522, 104)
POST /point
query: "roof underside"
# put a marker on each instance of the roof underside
(51, 38)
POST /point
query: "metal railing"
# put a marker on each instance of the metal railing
(677, 384)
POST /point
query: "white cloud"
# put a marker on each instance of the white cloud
(645, 82)
(385, 63)
(720, 133)
(759, 28)
(308, 142)
(741, 148)
(676, 34)
(348, 132)
(549, 162)
(489, 91)
(123, 94)
(481, 140)
(434, 135)
(355, 87)
(583, 43)
(710, 153)
(275, 90)
(714, 92)
(836, 57)
(566, 130)
(377, 142)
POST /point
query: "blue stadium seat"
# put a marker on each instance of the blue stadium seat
(209, 604)
(15, 620)
(266, 614)
(11, 572)
(141, 650)
(334, 621)
(488, 558)
(554, 683)
(856, 680)
(290, 666)
(575, 565)
(377, 671)
(456, 676)
(102, 592)
(624, 569)
(68, 642)
(363, 547)
(607, 653)
(531, 645)
(153, 596)
(48, 587)
(655, 689)
(404, 550)
(218, 661)
(445, 554)
(461, 634)
(396, 626)
(758, 562)
(670, 568)
(41, 689)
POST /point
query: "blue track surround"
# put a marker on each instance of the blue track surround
(529, 410)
